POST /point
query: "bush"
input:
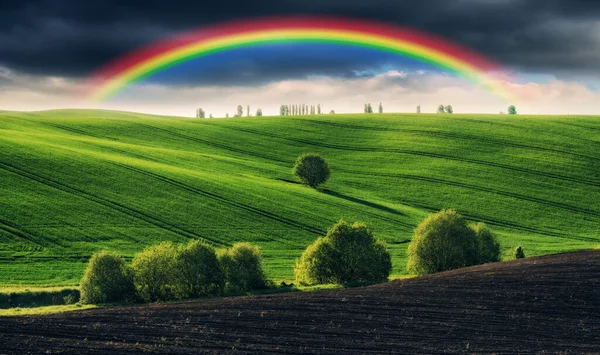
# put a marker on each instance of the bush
(519, 253)
(107, 278)
(489, 248)
(443, 241)
(348, 253)
(154, 272)
(242, 265)
(312, 169)
(197, 271)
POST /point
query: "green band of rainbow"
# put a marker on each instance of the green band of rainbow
(116, 76)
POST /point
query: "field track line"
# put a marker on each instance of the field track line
(485, 140)
(35, 240)
(106, 203)
(224, 200)
(501, 223)
(564, 206)
(425, 154)
(216, 145)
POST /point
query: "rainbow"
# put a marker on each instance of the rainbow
(134, 67)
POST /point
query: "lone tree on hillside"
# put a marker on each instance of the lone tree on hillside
(259, 112)
(380, 108)
(240, 111)
(441, 109)
(312, 169)
(512, 110)
(449, 109)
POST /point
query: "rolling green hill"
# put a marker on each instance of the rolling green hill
(72, 182)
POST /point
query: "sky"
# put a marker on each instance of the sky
(48, 48)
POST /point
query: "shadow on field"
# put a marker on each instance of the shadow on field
(362, 202)
(351, 199)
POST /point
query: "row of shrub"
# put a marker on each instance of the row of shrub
(171, 272)
(33, 298)
(349, 253)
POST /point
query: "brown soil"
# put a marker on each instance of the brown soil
(547, 304)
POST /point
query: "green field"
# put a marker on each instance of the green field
(72, 182)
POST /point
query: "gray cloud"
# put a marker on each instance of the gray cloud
(71, 38)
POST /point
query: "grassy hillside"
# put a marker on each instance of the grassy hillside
(72, 182)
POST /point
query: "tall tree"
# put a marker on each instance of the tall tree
(419, 109)
(366, 108)
(319, 109)
(282, 110)
(512, 110)
(449, 109)
(369, 108)
(380, 108)
(248, 111)
(240, 111)
(441, 109)
(200, 113)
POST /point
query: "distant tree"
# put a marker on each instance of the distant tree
(449, 109)
(419, 109)
(319, 109)
(512, 110)
(312, 169)
(258, 112)
(366, 108)
(441, 109)
(282, 110)
(154, 272)
(348, 253)
(489, 248)
(443, 241)
(107, 278)
(200, 113)
(242, 265)
(240, 111)
(369, 108)
(197, 271)
(227, 115)
(332, 112)
(380, 108)
(287, 110)
(519, 253)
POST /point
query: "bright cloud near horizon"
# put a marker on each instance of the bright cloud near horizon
(48, 49)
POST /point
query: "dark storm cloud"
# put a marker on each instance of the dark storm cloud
(71, 37)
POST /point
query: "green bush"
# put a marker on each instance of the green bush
(489, 248)
(197, 271)
(349, 253)
(154, 272)
(312, 169)
(107, 278)
(243, 269)
(443, 241)
(519, 253)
